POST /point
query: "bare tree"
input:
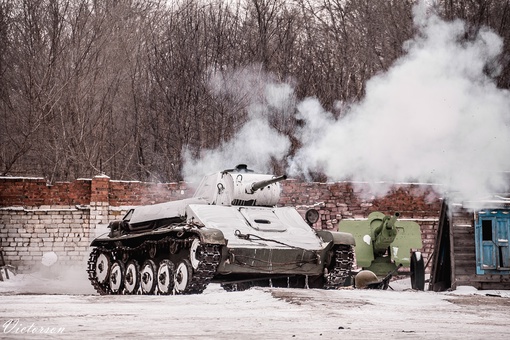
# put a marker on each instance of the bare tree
(31, 92)
(484, 13)
(124, 87)
(349, 42)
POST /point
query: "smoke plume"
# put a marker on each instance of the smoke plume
(435, 116)
(256, 143)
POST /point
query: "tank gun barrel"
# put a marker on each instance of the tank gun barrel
(261, 184)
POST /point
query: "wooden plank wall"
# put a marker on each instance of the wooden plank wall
(463, 247)
(462, 244)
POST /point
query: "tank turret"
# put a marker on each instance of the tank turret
(240, 186)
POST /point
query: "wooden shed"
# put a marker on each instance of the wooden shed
(472, 247)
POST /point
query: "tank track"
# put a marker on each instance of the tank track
(341, 267)
(102, 289)
(209, 260)
(209, 256)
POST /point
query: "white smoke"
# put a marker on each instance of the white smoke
(256, 143)
(434, 116)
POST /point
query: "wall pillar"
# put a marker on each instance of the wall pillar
(99, 205)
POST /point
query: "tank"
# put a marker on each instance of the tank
(231, 232)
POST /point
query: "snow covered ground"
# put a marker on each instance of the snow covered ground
(64, 306)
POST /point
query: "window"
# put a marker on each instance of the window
(492, 247)
(486, 230)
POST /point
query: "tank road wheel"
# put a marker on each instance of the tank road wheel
(417, 271)
(117, 277)
(182, 276)
(102, 268)
(193, 253)
(148, 277)
(132, 277)
(165, 277)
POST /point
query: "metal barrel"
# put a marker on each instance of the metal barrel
(385, 234)
(392, 220)
(261, 184)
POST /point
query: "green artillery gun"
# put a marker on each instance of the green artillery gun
(384, 244)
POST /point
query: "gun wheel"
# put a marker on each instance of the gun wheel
(417, 271)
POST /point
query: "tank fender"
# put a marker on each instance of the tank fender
(337, 237)
(211, 236)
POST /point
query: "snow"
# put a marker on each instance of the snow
(45, 208)
(19, 177)
(49, 258)
(64, 300)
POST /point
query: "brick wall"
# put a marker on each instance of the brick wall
(138, 193)
(36, 218)
(33, 192)
(27, 233)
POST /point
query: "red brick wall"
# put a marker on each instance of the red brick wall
(136, 193)
(34, 192)
(344, 200)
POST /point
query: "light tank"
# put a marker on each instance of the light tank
(231, 232)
